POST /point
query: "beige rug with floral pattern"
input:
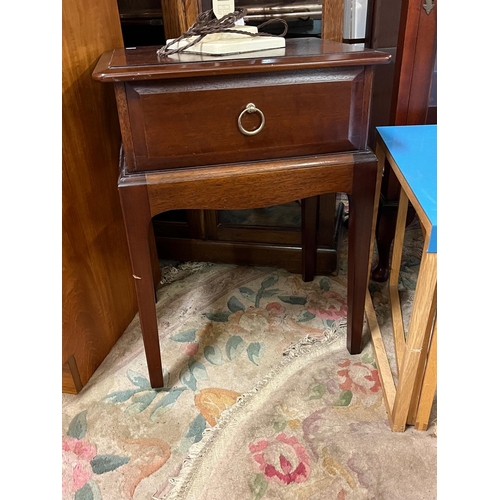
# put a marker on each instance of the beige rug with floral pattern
(262, 399)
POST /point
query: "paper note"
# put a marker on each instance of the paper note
(222, 7)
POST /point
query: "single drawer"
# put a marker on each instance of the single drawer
(201, 121)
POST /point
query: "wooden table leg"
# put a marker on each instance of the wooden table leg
(395, 267)
(419, 376)
(309, 216)
(428, 386)
(137, 217)
(422, 310)
(361, 204)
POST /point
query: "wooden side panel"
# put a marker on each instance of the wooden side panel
(382, 34)
(98, 296)
(178, 16)
(333, 20)
(417, 43)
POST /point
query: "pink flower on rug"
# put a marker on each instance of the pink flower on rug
(190, 349)
(283, 460)
(275, 308)
(327, 305)
(358, 377)
(77, 454)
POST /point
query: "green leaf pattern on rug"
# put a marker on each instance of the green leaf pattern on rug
(255, 352)
(305, 316)
(79, 448)
(411, 262)
(234, 305)
(213, 355)
(198, 370)
(219, 317)
(258, 486)
(106, 463)
(279, 425)
(187, 336)
(317, 391)
(140, 403)
(369, 359)
(407, 283)
(262, 292)
(169, 399)
(247, 293)
(138, 380)
(121, 396)
(78, 426)
(194, 433)
(268, 282)
(345, 399)
(234, 347)
(85, 493)
(193, 372)
(290, 299)
(187, 378)
(324, 284)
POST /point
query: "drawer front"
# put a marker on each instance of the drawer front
(193, 122)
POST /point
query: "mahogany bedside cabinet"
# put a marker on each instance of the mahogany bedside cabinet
(240, 132)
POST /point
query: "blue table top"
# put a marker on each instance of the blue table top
(414, 149)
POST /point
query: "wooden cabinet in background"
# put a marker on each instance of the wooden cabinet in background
(407, 94)
(262, 237)
(98, 299)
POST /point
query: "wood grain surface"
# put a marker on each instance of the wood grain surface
(98, 293)
(333, 20)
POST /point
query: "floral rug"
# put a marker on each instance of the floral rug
(262, 400)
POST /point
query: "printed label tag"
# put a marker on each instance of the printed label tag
(222, 7)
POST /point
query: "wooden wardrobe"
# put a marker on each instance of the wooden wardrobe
(98, 299)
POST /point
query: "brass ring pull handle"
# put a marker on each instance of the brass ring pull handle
(251, 109)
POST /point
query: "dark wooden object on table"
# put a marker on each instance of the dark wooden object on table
(182, 148)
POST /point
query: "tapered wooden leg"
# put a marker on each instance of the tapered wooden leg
(361, 206)
(309, 208)
(422, 310)
(137, 218)
(429, 385)
(417, 386)
(395, 266)
(154, 256)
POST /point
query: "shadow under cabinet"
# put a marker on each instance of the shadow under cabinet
(268, 236)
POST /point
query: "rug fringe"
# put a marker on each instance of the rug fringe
(304, 346)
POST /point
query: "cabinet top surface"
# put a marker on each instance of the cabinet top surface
(143, 63)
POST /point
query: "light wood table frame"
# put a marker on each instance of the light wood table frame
(409, 400)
